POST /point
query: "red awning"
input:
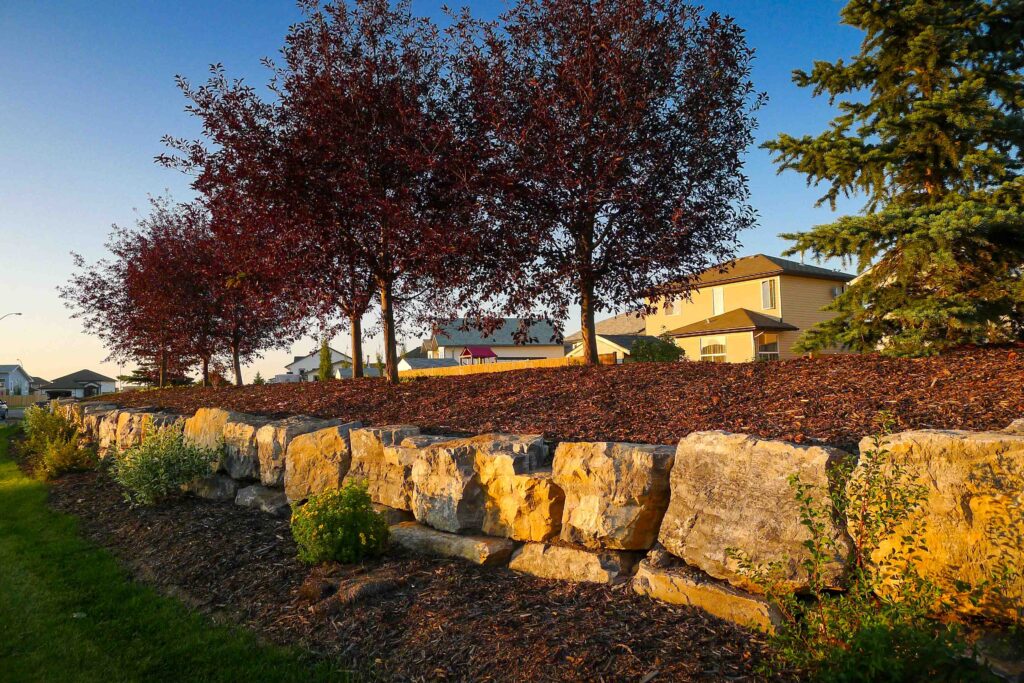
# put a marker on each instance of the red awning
(478, 352)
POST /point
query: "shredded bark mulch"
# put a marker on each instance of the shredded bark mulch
(405, 618)
(835, 399)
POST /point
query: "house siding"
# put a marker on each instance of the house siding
(746, 294)
(508, 353)
(802, 300)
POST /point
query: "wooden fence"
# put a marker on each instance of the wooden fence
(491, 367)
(22, 401)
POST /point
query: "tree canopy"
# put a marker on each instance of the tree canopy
(930, 132)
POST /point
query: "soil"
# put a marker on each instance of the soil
(833, 399)
(405, 618)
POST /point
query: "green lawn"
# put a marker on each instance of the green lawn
(69, 613)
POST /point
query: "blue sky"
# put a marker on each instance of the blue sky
(87, 91)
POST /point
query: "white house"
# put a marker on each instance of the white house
(307, 367)
(14, 381)
(407, 363)
(470, 346)
(81, 384)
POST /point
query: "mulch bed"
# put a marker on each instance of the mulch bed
(835, 399)
(405, 618)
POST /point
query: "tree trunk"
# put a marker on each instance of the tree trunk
(356, 324)
(162, 372)
(387, 314)
(236, 363)
(206, 371)
(587, 323)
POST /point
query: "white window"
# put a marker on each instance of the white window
(712, 349)
(767, 346)
(837, 291)
(717, 301)
(768, 294)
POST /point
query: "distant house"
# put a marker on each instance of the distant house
(752, 308)
(14, 381)
(307, 367)
(413, 363)
(81, 384)
(470, 346)
(619, 345)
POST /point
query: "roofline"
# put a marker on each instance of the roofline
(727, 330)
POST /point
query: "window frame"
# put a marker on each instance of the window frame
(768, 288)
(718, 356)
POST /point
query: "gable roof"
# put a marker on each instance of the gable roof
(736, 320)
(76, 379)
(760, 265)
(630, 322)
(449, 334)
(423, 363)
(334, 352)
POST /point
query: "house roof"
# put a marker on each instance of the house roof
(540, 333)
(736, 320)
(12, 368)
(623, 341)
(478, 352)
(77, 379)
(630, 322)
(368, 371)
(316, 352)
(424, 363)
(760, 265)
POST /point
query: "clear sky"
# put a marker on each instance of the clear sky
(87, 90)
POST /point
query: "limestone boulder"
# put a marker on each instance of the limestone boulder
(482, 550)
(272, 441)
(216, 487)
(206, 428)
(524, 507)
(317, 461)
(616, 494)
(969, 515)
(450, 478)
(574, 564)
(106, 433)
(384, 462)
(271, 501)
(91, 415)
(134, 425)
(241, 458)
(730, 494)
(684, 585)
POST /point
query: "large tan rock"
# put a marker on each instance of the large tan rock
(106, 433)
(257, 497)
(526, 507)
(483, 550)
(272, 441)
(206, 428)
(380, 460)
(970, 516)
(241, 458)
(134, 425)
(317, 461)
(574, 564)
(615, 493)
(684, 585)
(450, 478)
(732, 492)
(216, 487)
(90, 416)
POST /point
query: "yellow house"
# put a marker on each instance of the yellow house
(752, 308)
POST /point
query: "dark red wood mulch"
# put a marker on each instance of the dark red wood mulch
(429, 619)
(833, 398)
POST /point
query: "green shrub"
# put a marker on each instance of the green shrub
(866, 633)
(160, 466)
(339, 525)
(660, 350)
(62, 456)
(42, 427)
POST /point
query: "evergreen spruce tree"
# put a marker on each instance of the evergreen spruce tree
(326, 369)
(930, 130)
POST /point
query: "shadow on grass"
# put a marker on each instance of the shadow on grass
(68, 612)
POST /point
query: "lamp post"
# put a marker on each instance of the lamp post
(8, 314)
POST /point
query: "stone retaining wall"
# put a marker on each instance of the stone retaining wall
(675, 522)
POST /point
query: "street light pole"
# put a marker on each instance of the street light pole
(8, 314)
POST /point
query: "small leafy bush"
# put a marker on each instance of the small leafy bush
(53, 445)
(42, 426)
(339, 525)
(660, 350)
(160, 466)
(63, 456)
